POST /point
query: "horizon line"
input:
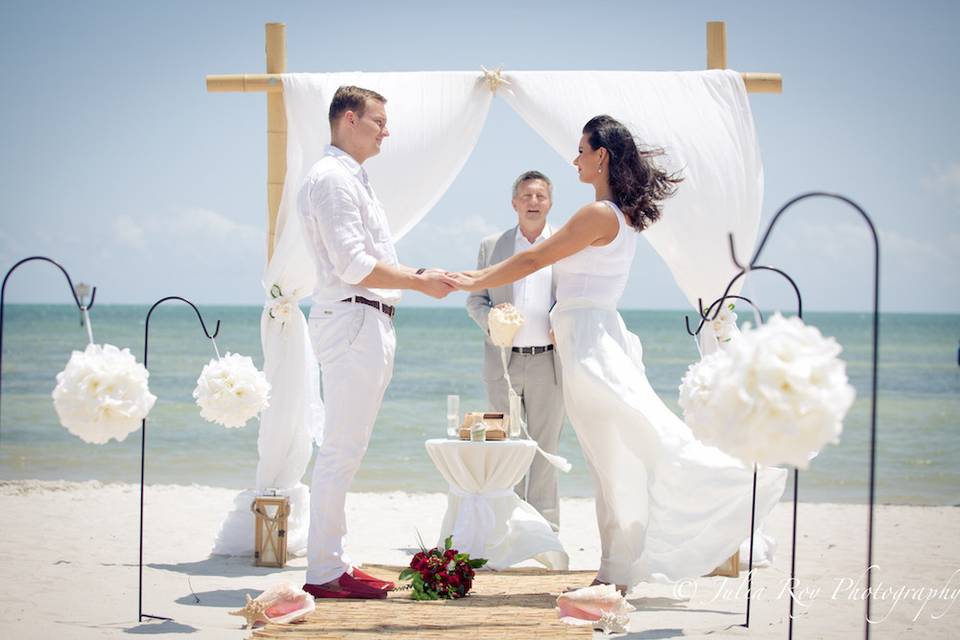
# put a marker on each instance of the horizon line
(444, 307)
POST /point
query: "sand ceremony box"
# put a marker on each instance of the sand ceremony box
(507, 605)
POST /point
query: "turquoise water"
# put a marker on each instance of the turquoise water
(439, 353)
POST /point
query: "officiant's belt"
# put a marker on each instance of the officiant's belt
(379, 306)
(533, 350)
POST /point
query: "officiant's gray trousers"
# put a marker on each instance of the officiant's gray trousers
(535, 381)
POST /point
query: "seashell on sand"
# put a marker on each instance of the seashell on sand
(282, 603)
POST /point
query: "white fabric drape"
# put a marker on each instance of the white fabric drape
(437, 117)
(486, 518)
(434, 118)
(702, 120)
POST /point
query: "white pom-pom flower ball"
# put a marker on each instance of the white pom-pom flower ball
(777, 395)
(102, 394)
(231, 390)
(696, 388)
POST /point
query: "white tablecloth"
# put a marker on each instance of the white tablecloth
(484, 515)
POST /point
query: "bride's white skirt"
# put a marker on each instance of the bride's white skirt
(668, 506)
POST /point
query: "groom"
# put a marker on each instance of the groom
(534, 366)
(351, 325)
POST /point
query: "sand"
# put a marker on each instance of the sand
(69, 557)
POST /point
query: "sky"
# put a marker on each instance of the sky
(118, 163)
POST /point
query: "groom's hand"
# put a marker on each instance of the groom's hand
(436, 283)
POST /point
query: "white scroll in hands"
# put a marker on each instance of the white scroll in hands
(504, 322)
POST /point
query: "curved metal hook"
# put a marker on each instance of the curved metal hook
(718, 301)
(203, 325)
(815, 194)
(733, 253)
(73, 291)
(796, 289)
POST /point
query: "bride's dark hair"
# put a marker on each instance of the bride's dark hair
(638, 184)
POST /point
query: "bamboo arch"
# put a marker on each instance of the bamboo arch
(270, 83)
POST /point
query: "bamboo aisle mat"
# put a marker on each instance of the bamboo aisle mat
(507, 605)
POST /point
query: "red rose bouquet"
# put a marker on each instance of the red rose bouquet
(440, 574)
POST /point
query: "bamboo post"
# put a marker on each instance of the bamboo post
(276, 50)
(716, 45)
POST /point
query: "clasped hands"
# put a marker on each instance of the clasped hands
(438, 283)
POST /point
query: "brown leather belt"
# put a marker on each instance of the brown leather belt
(379, 306)
(533, 350)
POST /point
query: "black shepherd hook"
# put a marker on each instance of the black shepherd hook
(873, 375)
(143, 439)
(3, 295)
(718, 303)
(752, 266)
(705, 316)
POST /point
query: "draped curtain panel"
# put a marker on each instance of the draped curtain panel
(435, 120)
(702, 120)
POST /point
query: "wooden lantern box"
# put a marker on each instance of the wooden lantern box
(270, 538)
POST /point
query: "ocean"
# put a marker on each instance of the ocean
(440, 352)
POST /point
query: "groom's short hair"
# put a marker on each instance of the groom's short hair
(351, 98)
(526, 176)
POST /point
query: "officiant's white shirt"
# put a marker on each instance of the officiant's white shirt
(347, 228)
(531, 297)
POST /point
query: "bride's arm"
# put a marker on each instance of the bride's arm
(595, 223)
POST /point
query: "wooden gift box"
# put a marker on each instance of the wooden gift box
(270, 533)
(497, 424)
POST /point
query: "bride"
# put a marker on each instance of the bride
(668, 506)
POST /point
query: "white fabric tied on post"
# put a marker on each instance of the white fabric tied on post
(494, 78)
(476, 520)
(435, 118)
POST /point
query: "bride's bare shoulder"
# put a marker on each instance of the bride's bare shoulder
(597, 215)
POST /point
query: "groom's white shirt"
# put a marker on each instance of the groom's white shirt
(533, 297)
(347, 229)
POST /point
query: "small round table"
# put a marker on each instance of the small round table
(485, 516)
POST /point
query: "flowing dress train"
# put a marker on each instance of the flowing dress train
(668, 506)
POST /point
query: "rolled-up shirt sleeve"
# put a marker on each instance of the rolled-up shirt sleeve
(335, 212)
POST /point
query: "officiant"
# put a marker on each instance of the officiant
(534, 366)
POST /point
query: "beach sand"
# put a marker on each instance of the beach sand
(69, 558)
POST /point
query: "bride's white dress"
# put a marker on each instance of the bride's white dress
(668, 506)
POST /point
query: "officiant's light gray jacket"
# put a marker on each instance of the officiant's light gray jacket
(494, 249)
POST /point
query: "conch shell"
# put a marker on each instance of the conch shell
(600, 605)
(282, 603)
(504, 321)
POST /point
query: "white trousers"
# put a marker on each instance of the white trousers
(355, 346)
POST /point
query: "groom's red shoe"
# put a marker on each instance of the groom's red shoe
(350, 587)
(362, 576)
